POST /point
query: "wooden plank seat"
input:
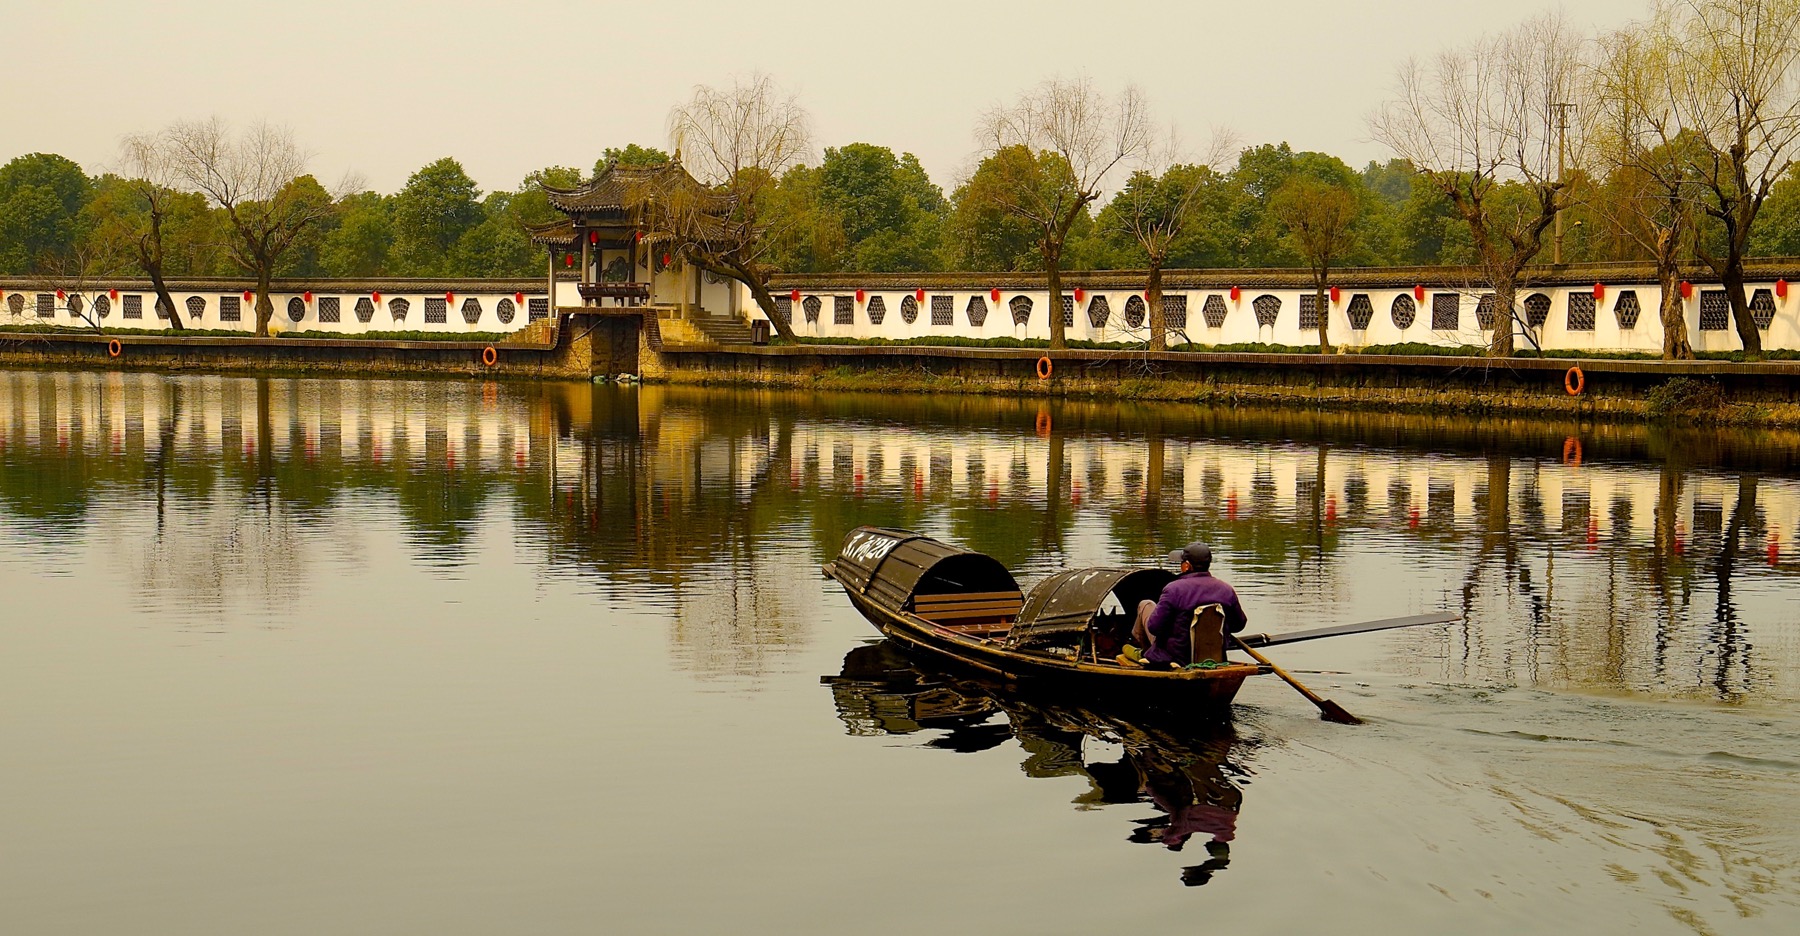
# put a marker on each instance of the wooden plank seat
(623, 292)
(979, 613)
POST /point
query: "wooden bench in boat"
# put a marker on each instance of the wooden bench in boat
(977, 613)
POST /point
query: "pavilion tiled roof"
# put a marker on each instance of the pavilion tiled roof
(556, 233)
(618, 189)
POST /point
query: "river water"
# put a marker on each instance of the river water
(300, 656)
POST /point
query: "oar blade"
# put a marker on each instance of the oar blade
(1333, 712)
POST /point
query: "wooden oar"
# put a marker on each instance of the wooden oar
(1340, 630)
(1328, 710)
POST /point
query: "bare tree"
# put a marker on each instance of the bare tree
(1734, 88)
(1484, 126)
(259, 179)
(1084, 136)
(1157, 205)
(1318, 217)
(1647, 161)
(148, 162)
(738, 141)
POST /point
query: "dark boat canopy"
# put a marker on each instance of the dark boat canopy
(890, 567)
(1065, 604)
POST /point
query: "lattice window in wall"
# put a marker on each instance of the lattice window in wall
(164, 308)
(1134, 312)
(909, 310)
(74, 306)
(1360, 312)
(46, 305)
(365, 309)
(976, 311)
(296, 309)
(810, 307)
(1309, 312)
(1715, 310)
(1484, 312)
(784, 308)
(1762, 309)
(1021, 309)
(1403, 311)
(132, 308)
(537, 309)
(1537, 310)
(1267, 309)
(1214, 311)
(16, 303)
(1446, 311)
(471, 310)
(331, 310)
(398, 308)
(504, 310)
(1099, 312)
(102, 306)
(437, 311)
(1175, 312)
(843, 310)
(231, 308)
(1068, 311)
(1625, 308)
(1581, 311)
(877, 310)
(943, 310)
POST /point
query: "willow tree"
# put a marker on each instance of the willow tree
(1060, 141)
(1484, 124)
(1157, 205)
(1319, 218)
(738, 141)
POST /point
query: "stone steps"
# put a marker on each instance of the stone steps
(721, 330)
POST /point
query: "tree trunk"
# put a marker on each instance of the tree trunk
(1159, 326)
(1053, 275)
(1320, 277)
(265, 307)
(1674, 315)
(150, 257)
(766, 302)
(1732, 277)
(162, 294)
(1506, 294)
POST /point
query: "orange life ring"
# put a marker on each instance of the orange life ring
(489, 355)
(1043, 367)
(1574, 381)
(113, 348)
(1572, 452)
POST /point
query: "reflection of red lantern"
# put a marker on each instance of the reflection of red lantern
(1334, 295)
(1599, 291)
(1079, 294)
(1687, 290)
(1236, 293)
(1419, 293)
(995, 293)
(919, 295)
(1781, 289)
(860, 295)
(794, 296)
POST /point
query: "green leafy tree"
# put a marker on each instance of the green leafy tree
(41, 197)
(1777, 231)
(439, 204)
(804, 234)
(361, 242)
(632, 156)
(985, 234)
(1319, 218)
(890, 212)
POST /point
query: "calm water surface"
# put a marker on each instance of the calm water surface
(371, 657)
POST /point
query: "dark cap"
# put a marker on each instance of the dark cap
(1199, 555)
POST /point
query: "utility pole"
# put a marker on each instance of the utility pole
(1562, 147)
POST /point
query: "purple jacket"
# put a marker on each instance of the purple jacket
(1168, 624)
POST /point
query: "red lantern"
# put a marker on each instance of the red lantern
(995, 293)
(519, 298)
(114, 294)
(1079, 294)
(919, 295)
(794, 296)
(1781, 288)
(449, 297)
(1419, 293)
(59, 294)
(1236, 293)
(860, 295)
(665, 259)
(246, 295)
(307, 297)
(593, 237)
(1334, 295)
(1687, 290)
(568, 260)
(1599, 291)
(375, 297)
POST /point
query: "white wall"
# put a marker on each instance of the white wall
(213, 299)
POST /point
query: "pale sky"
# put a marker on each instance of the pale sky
(381, 87)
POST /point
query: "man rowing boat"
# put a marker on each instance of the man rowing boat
(1161, 627)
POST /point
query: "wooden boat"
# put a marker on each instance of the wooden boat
(965, 606)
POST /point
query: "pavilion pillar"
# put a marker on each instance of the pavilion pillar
(586, 259)
(549, 279)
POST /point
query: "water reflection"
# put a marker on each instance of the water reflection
(1183, 771)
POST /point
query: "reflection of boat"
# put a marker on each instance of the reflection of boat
(1186, 774)
(965, 605)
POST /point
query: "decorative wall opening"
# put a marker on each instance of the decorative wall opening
(365, 309)
(1214, 311)
(16, 303)
(133, 307)
(1175, 312)
(618, 271)
(330, 310)
(1537, 310)
(1309, 312)
(102, 306)
(1762, 309)
(784, 308)
(1484, 312)
(1403, 311)
(1361, 312)
(943, 310)
(471, 310)
(1068, 310)
(163, 308)
(437, 311)
(1581, 311)
(843, 310)
(1625, 308)
(196, 308)
(398, 309)
(976, 311)
(1267, 307)
(909, 309)
(1099, 312)
(296, 309)
(1446, 311)
(1134, 312)
(1021, 309)
(877, 310)
(504, 310)
(1715, 310)
(46, 305)
(537, 309)
(810, 307)
(74, 306)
